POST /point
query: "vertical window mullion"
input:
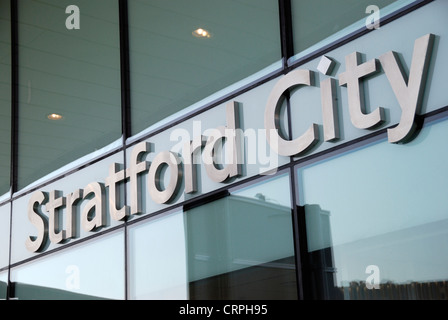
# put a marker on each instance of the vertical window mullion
(287, 47)
(14, 96)
(124, 69)
(14, 125)
(287, 44)
(125, 111)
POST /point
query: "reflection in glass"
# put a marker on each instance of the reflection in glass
(5, 218)
(323, 21)
(241, 246)
(183, 51)
(237, 247)
(93, 270)
(74, 73)
(378, 217)
(3, 284)
(157, 261)
(22, 228)
(5, 96)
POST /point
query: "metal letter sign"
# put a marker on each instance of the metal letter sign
(409, 93)
(36, 243)
(272, 116)
(156, 191)
(351, 78)
(93, 216)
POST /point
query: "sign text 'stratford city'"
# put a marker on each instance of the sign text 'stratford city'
(408, 90)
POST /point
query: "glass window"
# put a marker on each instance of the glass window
(3, 284)
(319, 22)
(183, 51)
(5, 96)
(157, 259)
(237, 247)
(5, 217)
(377, 220)
(89, 271)
(241, 246)
(66, 187)
(69, 82)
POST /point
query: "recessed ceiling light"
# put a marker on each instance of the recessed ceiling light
(201, 33)
(54, 116)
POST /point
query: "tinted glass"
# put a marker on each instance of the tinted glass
(157, 259)
(90, 271)
(324, 21)
(183, 51)
(3, 284)
(237, 247)
(74, 73)
(5, 215)
(22, 228)
(5, 96)
(377, 220)
(241, 246)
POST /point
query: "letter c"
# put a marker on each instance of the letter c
(272, 115)
(225, 309)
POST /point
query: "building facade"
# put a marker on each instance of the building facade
(224, 150)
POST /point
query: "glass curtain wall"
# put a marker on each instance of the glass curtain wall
(3, 284)
(73, 275)
(69, 82)
(184, 51)
(241, 246)
(180, 53)
(318, 23)
(379, 236)
(237, 247)
(5, 222)
(369, 235)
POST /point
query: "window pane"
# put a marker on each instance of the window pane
(71, 72)
(22, 228)
(5, 218)
(5, 96)
(173, 67)
(378, 216)
(3, 284)
(324, 21)
(241, 246)
(157, 260)
(238, 247)
(93, 270)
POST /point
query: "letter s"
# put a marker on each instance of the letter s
(37, 218)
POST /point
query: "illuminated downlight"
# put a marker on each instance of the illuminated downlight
(54, 116)
(201, 33)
